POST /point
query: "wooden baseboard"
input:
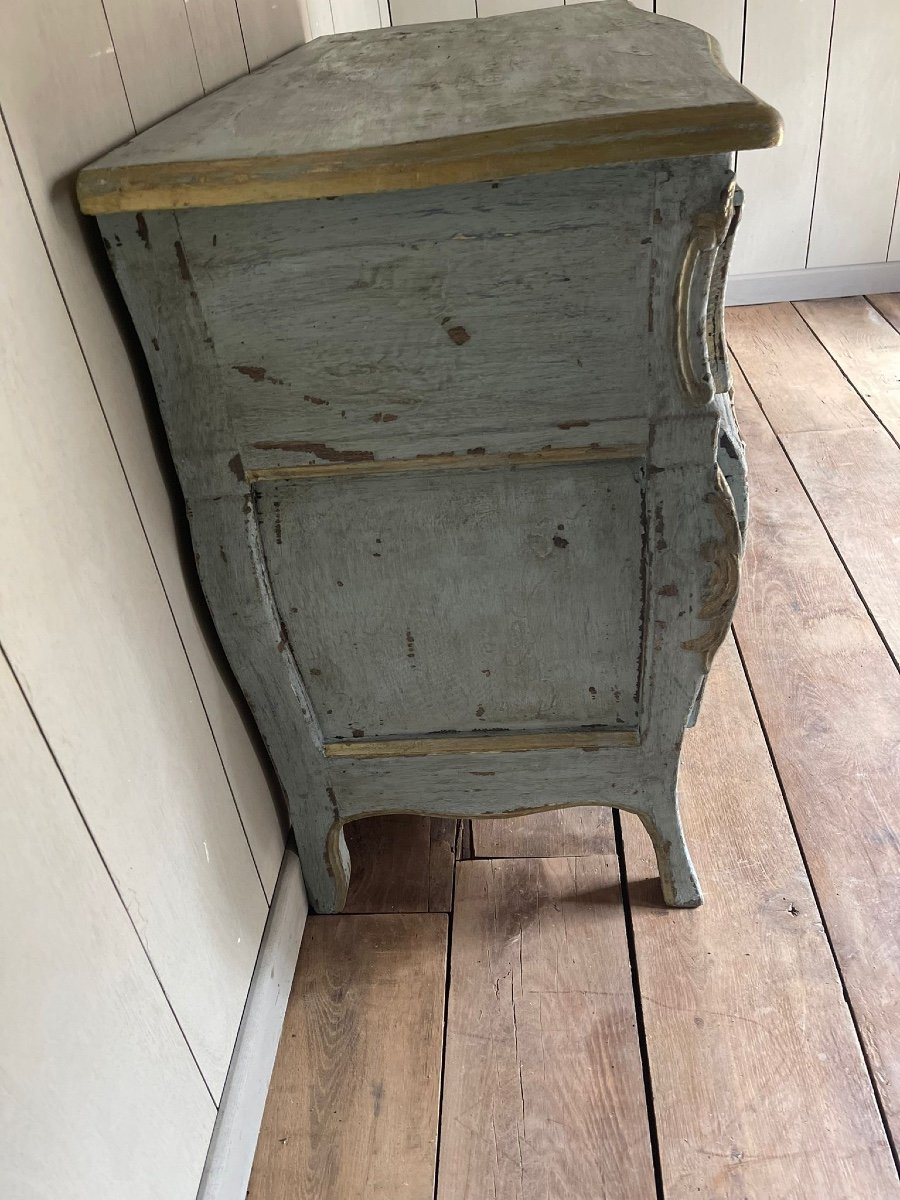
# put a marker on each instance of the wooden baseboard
(819, 283)
(230, 1157)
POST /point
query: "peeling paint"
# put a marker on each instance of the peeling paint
(319, 450)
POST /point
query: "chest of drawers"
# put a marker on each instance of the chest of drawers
(434, 316)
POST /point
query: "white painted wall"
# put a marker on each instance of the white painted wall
(140, 839)
(814, 224)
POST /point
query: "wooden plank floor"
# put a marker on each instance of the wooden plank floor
(511, 1014)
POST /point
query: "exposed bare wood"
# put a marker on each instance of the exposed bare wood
(401, 864)
(543, 1094)
(441, 462)
(888, 304)
(829, 695)
(352, 1111)
(760, 1089)
(866, 347)
(799, 387)
(559, 833)
(485, 743)
(724, 554)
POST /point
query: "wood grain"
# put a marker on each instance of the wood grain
(866, 348)
(559, 833)
(853, 479)
(829, 696)
(401, 864)
(442, 462)
(760, 1089)
(90, 1048)
(888, 304)
(543, 1094)
(797, 383)
(352, 1112)
(485, 743)
(378, 115)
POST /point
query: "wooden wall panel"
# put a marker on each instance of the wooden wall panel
(493, 8)
(91, 638)
(349, 15)
(785, 61)
(415, 12)
(64, 104)
(857, 183)
(724, 19)
(218, 41)
(272, 27)
(79, 1003)
(156, 56)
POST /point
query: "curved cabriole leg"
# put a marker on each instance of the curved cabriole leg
(235, 581)
(680, 886)
(325, 861)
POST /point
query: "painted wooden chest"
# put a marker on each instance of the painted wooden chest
(435, 320)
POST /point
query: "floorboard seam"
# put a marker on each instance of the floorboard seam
(849, 380)
(815, 895)
(638, 1006)
(440, 1122)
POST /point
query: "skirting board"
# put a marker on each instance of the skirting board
(819, 283)
(230, 1157)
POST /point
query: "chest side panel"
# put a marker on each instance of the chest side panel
(423, 322)
(461, 601)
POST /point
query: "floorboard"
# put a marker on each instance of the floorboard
(829, 697)
(865, 346)
(853, 479)
(543, 1090)
(851, 471)
(888, 304)
(800, 387)
(400, 864)
(564, 832)
(352, 1111)
(759, 1085)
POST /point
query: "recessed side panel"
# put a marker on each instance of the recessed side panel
(461, 601)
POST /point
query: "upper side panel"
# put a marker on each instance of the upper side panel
(486, 317)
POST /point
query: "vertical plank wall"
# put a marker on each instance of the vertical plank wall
(144, 838)
(820, 213)
(141, 836)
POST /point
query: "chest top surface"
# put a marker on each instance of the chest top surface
(453, 102)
